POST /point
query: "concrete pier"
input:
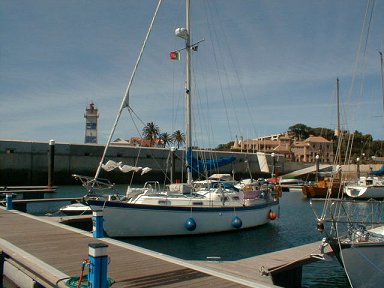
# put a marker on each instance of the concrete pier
(26, 163)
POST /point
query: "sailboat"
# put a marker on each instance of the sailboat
(372, 185)
(366, 187)
(326, 183)
(354, 229)
(181, 209)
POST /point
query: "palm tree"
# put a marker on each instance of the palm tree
(150, 132)
(165, 138)
(178, 137)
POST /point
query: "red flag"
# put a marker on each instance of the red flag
(174, 55)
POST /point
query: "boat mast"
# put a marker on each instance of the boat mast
(338, 106)
(382, 75)
(188, 85)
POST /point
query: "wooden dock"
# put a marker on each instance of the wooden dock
(53, 251)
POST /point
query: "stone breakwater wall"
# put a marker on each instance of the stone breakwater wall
(26, 163)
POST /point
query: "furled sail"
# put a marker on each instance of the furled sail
(202, 166)
(111, 165)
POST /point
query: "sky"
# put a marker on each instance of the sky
(263, 66)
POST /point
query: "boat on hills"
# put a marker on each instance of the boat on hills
(179, 208)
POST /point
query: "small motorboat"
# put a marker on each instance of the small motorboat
(76, 209)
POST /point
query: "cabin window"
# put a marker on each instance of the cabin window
(164, 202)
(197, 203)
(9, 151)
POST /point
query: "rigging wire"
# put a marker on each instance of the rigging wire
(125, 102)
(360, 59)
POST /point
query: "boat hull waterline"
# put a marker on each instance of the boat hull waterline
(135, 220)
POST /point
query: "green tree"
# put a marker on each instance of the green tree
(178, 138)
(300, 131)
(165, 138)
(151, 132)
(225, 147)
(328, 134)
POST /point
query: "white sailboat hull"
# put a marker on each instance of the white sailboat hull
(135, 220)
(366, 187)
(365, 192)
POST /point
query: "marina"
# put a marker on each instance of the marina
(47, 240)
(254, 248)
(199, 204)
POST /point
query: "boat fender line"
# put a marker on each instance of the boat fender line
(272, 215)
(85, 262)
(236, 222)
(190, 224)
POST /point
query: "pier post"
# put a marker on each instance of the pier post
(97, 254)
(51, 162)
(97, 220)
(8, 199)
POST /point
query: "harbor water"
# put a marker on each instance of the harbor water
(296, 226)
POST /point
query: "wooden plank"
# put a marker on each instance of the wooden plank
(260, 268)
(64, 250)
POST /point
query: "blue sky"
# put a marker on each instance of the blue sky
(263, 66)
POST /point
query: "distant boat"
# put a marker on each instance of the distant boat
(366, 187)
(181, 209)
(76, 209)
(291, 184)
(327, 184)
(321, 188)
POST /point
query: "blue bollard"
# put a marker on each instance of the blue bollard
(98, 267)
(8, 199)
(97, 219)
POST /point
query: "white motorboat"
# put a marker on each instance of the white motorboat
(181, 209)
(76, 209)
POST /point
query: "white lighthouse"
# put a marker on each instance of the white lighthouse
(91, 115)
